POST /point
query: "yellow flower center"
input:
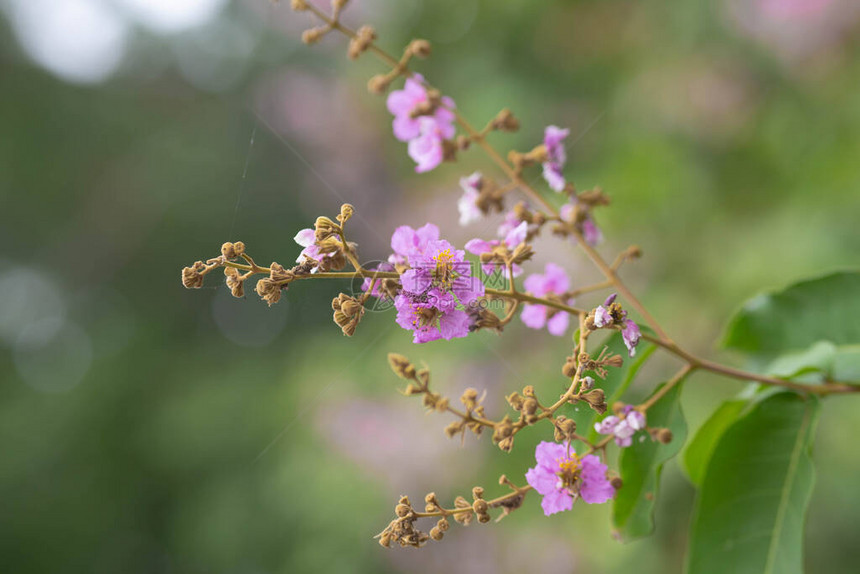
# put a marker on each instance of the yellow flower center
(424, 316)
(569, 470)
(444, 273)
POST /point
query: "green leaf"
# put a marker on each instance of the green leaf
(640, 466)
(699, 450)
(823, 360)
(846, 364)
(816, 359)
(617, 380)
(751, 506)
(822, 309)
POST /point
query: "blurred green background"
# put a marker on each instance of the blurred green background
(147, 428)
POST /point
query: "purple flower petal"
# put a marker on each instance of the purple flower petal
(534, 316)
(596, 487)
(556, 501)
(547, 454)
(558, 323)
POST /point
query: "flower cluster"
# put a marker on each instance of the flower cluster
(438, 294)
(437, 287)
(424, 119)
(622, 426)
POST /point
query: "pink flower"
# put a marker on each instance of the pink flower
(425, 133)
(512, 239)
(623, 426)
(553, 281)
(438, 289)
(443, 268)
(401, 103)
(560, 476)
(427, 150)
(467, 205)
(553, 141)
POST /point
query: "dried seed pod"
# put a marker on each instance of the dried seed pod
(401, 366)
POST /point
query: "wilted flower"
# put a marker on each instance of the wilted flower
(553, 281)
(560, 476)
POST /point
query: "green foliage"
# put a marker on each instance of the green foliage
(616, 382)
(821, 361)
(751, 507)
(640, 466)
(822, 309)
(699, 449)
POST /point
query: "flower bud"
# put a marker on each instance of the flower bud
(364, 37)
(234, 282)
(378, 84)
(420, 48)
(232, 250)
(515, 400)
(313, 35)
(346, 212)
(506, 444)
(586, 383)
(268, 290)
(436, 533)
(454, 429)
(616, 482)
(664, 436)
(505, 121)
(402, 510)
(569, 368)
(530, 406)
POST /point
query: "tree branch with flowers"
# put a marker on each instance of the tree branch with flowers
(439, 293)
